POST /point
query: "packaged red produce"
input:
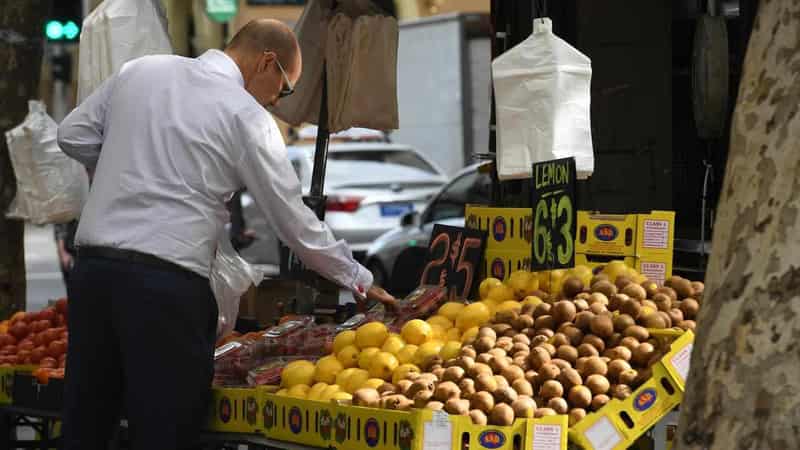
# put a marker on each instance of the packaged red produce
(419, 304)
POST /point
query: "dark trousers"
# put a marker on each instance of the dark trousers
(142, 336)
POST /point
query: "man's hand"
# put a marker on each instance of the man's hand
(377, 294)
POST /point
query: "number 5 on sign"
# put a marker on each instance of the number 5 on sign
(554, 214)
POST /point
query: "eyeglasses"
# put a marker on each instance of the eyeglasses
(289, 89)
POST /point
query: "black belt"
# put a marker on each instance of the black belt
(133, 256)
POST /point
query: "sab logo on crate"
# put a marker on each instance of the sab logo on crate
(225, 410)
(645, 399)
(492, 439)
(498, 269)
(372, 432)
(295, 420)
(325, 424)
(269, 415)
(499, 229)
(340, 427)
(606, 232)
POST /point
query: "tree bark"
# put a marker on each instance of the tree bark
(743, 388)
(21, 47)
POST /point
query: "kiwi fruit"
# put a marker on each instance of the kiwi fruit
(538, 357)
(467, 387)
(521, 338)
(484, 344)
(576, 415)
(616, 300)
(438, 371)
(521, 360)
(648, 306)
(506, 395)
(523, 321)
(580, 397)
(570, 377)
(690, 307)
(558, 404)
(621, 391)
(422, 398)
(524, 408)
(457, 406)
(532, 377)
(583, 320)
(513, 373)
(545, 321)
(500, 328)
(614, 340)
(650, 288)
(628, 376)
(546, 332)
(486, 382)
(682, 286)
(522, 387)
(454, 374)
(582, 296)
(598, 297)
(551, 389)
(484, 358)
(663, 301)
(502, 383)
(433, 406)
(598, 277)
(599, 401)
(538, 340)
(631, 307)
(542, 309)
(604, 287)
(479, 369)
(581, 305)
(634, 290)
(687, 325)
(548, 371)
(572, 286)
(574, 335)
(654, 320)
(669, 292)
(564, 311)
(560, 339)
(507, 316)
(521, 347)
(487, 332)
(544, 412)
(642, 354)
(478, 417)
(698, 287)
(550, 348)
(621, 353)
(602, 325)
(598, 384)
(598, 308)
(629, 342)
(635, 331)
(482, 401)
(560, 363)
(498, 365)
(675, 316)
(580, 364)
(622, 281)
(595, 341)
(585, 350)
(501, 415)
(623, 321)
(595, 365)
(616, 367)
(567, 353)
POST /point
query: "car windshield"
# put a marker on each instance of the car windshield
(407, 158)
(473, 187)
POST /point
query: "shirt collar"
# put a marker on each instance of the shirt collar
(222, 63)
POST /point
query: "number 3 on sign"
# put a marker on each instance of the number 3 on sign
(565, 248)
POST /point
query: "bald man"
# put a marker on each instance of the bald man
(170, 140)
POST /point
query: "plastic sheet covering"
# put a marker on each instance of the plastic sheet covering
(542, 96)
(231, 276)
(51, 186)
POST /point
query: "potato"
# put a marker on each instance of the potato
(604, 287)
(487, 332)
(469, 351)
(485, 382)
(576, 415)
(501, 415)
(538, 357)
(598, 384)
(586, 350)
(601, 325)
(549, 371)
(434, 406)
(594, 365)
(478, 417)
(422, 398)
(558, 404)
(580, 397)
(513, 373)
(524, 408)
(640, 333)
(595, 341)
(522, 387)
(569, 378)
(545, 321)
(599, 401)
(396, 402)
(563, 311)
(483, 401)
(567, 353)
(635, 291)
(550, 389)
(690, 307)
(642, 354)
(621, 391)
(367, 397)
(420, 385)
(457, 406)
(542, 412)
(523, 321)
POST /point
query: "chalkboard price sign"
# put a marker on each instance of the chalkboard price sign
(554, 214)
(454, 257)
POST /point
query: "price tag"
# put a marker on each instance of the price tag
(454, 257)
(554, 214)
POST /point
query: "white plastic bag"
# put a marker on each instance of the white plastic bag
(51, 186)
(116, 32)
(542, 97)
(231, 276)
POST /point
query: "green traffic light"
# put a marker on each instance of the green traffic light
(71, 30)
(54, 30)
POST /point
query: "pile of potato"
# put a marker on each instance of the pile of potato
(569, 353)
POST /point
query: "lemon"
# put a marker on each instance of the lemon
(451, 310)
(416, 332)
(343, 339)
(316, 390)
(327, 368)
(544, 280)
(500, 293)
(583, 273)
(371, 334)
(533, 285)
(393, 344)
(356, 380)
(470, 334)
(402, 371)
(450, 350)
(383, 364)
(518, 282)
(328, 392)
(453, 334)
(473, 315)
(282, 392)
(426, 351)
(343, 396)
(298, 391)
(509, 305)
(531, 300)
(344, 377)
(348, 356)
(297, 372)
(439, 333)
(406, 355)
(487, 285)
(373, 383)
(440, 321)
(614, 269)
(366, 355)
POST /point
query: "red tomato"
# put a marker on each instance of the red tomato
(18, 316)
(26, 344)
(41, 339)
(4, 340)
(12, 359)
(31, 317)
(22, 355)
(19, 330)
(48, 313)
(48, 363)
(57, 348)
(52, 334)
(37, 354)
(61, 306)
(10, 349)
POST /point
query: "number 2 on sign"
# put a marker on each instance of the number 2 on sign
(441, 240)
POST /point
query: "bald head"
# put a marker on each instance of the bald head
(265, 50)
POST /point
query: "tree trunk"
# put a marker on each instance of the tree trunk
(743, 388)
(21, 46)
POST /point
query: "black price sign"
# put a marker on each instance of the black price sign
(554, 214)
(454, 257)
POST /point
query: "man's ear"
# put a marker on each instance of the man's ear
(265, 60)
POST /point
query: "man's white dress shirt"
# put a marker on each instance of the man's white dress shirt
(171, 139)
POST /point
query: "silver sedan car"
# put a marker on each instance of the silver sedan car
(469, 186)
(370, 186)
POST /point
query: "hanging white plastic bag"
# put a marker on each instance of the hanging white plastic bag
(231, 276)
(51, 186)
(116, 32)
(542, 97)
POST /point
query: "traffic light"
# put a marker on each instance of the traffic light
(65, 22)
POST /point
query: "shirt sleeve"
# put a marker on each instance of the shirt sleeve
(265, 169)
(80, 134)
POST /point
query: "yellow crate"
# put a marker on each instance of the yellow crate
(676, 362)
(6, 385)
(300, 421)
(471, 436)
(508, 229)
(235, 410)
(379, 429)
(606, 234)
(500, 264)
